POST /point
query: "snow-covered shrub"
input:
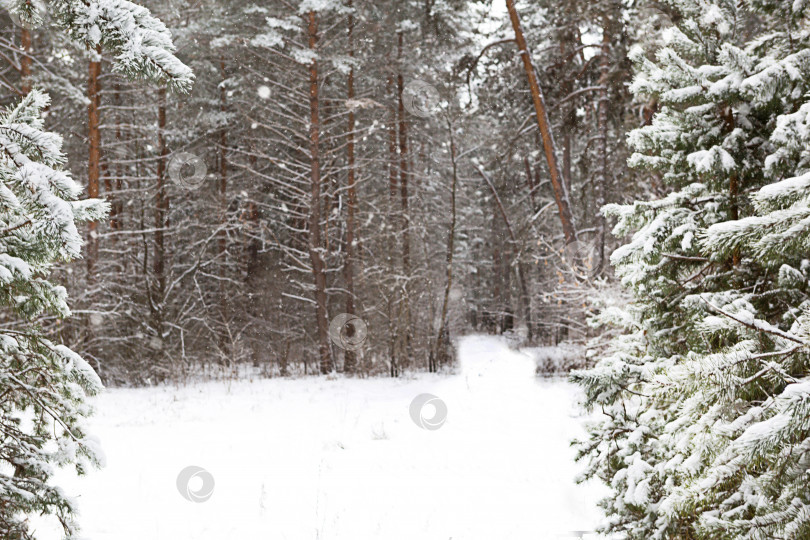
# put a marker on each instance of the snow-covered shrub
(558, 359)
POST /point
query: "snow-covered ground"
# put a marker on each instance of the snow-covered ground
(315, 458)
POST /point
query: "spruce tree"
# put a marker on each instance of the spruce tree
(705, 399)
(44, 385)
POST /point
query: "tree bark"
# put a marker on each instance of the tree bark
(560, 194)
(393, 165)
(403, 190)
(602, 161)
(222, 241)
(530, 182)
(25, 60)
(223, 166)
(441, 355)
(116, 205)
(349, 357)
(568, 114)
(161, 198)
(94, 161)
(315, 247)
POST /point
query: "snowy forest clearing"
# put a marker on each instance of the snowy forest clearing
(318, 458)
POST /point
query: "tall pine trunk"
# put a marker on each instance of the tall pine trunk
(222, 241)
(602, 162)
(315, 247)
(568, 113)
(116, 204)
(442, 341)
(25, 60)
(403, 190)
(223, 168)
(161, 199)
(393, 165)
(349, 357)
(94, 158)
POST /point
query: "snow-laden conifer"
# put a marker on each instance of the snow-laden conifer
(706, 396)
(141, 43)
(44, 384)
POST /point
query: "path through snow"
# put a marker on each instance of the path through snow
(341, 459)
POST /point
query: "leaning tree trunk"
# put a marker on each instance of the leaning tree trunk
(315, 248)
(560, 194)
(349, 357)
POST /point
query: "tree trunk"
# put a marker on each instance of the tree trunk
(315, 247)
(94, 161)
(222, 241)
(392, 150)
(530, 182)
(251, 265)
(116, 205)
(392, 202)
(522, 283)
(161, 198)
(403, 190)
(560, 194)
(223, 167)
(602, 162)
(441, 355)
(568, 113)
(349, 357)
(25, 60)
(734, 182)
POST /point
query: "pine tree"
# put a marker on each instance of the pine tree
(706, 404)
